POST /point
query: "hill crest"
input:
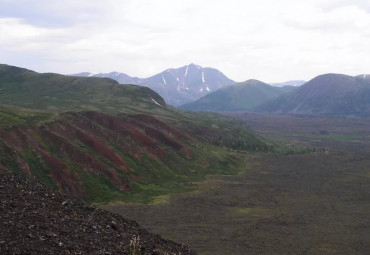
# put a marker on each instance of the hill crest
(241, 96)
(327, 94)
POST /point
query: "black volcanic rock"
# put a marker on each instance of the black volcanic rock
(328, 94)
(36, 220)
(177, 86)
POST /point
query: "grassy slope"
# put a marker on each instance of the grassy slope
(22, 88)
(238, 97)
(34, 105)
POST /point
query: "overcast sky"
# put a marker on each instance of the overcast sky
(269, 40)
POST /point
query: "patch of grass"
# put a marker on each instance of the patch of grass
(38, 169)
(8, 160)
(160, 200)
(98, 188)
(291, 149)
(23, 117)
(338, 137)
(251, 211)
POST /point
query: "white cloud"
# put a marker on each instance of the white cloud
(265, 39)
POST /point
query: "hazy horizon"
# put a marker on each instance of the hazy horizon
(265, 40)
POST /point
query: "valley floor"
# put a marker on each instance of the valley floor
(313, 203)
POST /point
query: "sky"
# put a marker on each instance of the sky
(269, 40)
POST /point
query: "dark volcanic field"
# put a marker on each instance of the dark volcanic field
(312, 203)
(35, 220)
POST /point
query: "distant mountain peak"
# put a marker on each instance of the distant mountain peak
(83, 74)
(197, 66)
(176, 85)
(253, 81)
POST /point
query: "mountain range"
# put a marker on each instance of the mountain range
(242, 96)
(328, 94)
(177, 86)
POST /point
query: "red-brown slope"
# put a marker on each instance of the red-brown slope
(21, 140)
(95, 143)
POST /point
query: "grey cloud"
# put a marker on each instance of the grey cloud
(52, 13)
(265, 39)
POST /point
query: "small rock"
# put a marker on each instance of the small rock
(113, 224)
(50, 234)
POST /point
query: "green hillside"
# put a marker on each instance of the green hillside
(97, 139)
(239, 97)
(23, 88)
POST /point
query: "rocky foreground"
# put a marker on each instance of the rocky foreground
(36, 220)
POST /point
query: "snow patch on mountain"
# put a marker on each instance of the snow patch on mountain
(164, 80)
(156, 102)
(177, 86)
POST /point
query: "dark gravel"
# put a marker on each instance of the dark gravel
(36, 220)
